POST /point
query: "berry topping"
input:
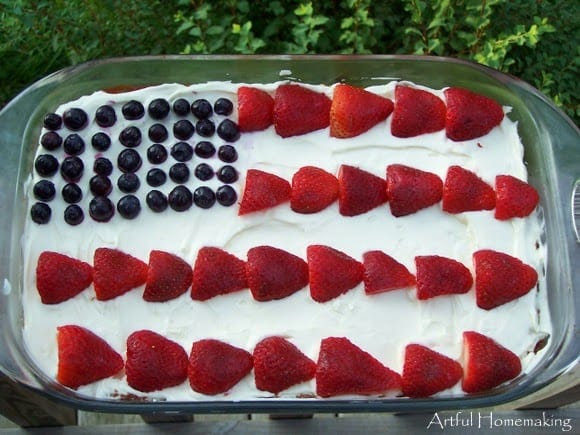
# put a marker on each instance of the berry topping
(359, 191)
(156, 154)
(72, 169)
(74, 145)
(470, 115)
(465, 191)
(169, 276)
(410, 190)
(128, 183)
(417, 112)
(60, 277)
(40, 213)
(157, 201)
(255, 109)
(500, 278)
(226, 195)
(75, 119)
(101, 141)
(227, 154)
(158, 133)
(116, 272)
(84, 357)
(204, 172)
(201, 108)
(274, 273)
(72, 193)
(263, 190)
(183, 129)
(180, 198)
(299, 110)
(46, 165)
(133, 110)
(487, 364)
(356, 110)
(426, 372)
(438, 276)
(44, 190)
(182, 151)
(204, 197)
(179, 173)
(228, 130)
(344, 368)
(227, 174)
(158, 108)
(217, 272)
(100, 185)
(101, 209)
(181, 107)
(279, 364)
(52, 121)
(130, 137)
(129, 206)
(103, 166)
(73, 214)
(313, 189)
(205, 127)
(515, 198)
(223, 106)
(215, 366)
(154, 362)
(129, 160)
(204, 149)
(51, 140)
(383, 273)
(156, 177)
(331, 272)
(105, 116)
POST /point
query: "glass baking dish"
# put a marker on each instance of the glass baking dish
(552, 155)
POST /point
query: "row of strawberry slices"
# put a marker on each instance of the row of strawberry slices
(296, 110)
(154, 362)
(271, 273)
(406, 189)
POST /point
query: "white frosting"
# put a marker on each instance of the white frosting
(381, 324)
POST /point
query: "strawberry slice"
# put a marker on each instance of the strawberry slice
(116, 272)
(331, 272)
(169, 276)
(426, 372)
(410, 190)
(279, 364)
(274, 273)
(60, 277)
(255, 109)
(344, 368)
(470, 115)
(500, 278)
(215, 367)
(299, 110)
(154, 362)
(217, 272)
(359, 191)
(515, 198)
(355, 110)
(313, 189)
(383, 273)
(465, 191)
(437, 276)
(487, 364)
(416, 112)
(263, 190)
(84, 357)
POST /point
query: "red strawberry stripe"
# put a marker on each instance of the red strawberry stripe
(437, 276)
(255, 109)
(262, 191)
(116, 272)
(60, 277)
(169, 277)
(313, 189)
(410, 190)
(217, 272)
(383, 273)
(416, 112)
(515, 198)
(359, 191)
(465, 191)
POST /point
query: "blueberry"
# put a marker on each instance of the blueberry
(52, 121)
(183, 129)
(156, 201)
(51, 140)
(100, 185)
(201, 108)
(73, 214)
(203, 171)
(156, 154)
(72, 169)
(205, 127)
(227, 154)
(227, 174)
(182, 151)
(228, 130)
(44, 190)
(129, 160)
(180, 198)
(158, 108)
(158, 133)
(128, 183)
(74, 145)
(204, 149)
(133, 110)
(75, 119)
(223, 106)
(129, 206)
(101, 209)
(72, 193)
(105, 116)
(40, 213)
(226, 195)
(130, 137)
(103, 166)
(156, 177)
(204, 197)
(179, 173)
(101, 141)
(181, 107)
(46, 165)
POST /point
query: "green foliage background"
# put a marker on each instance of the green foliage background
(536, 40)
